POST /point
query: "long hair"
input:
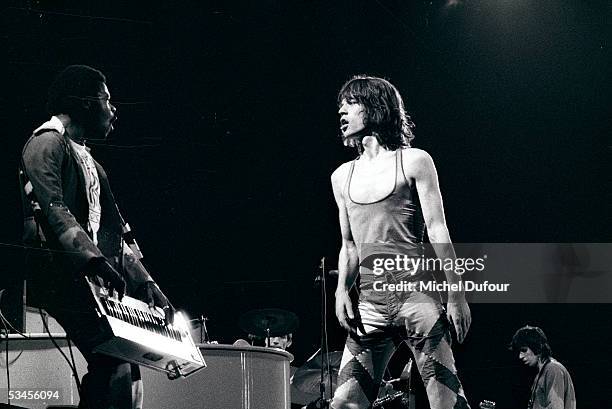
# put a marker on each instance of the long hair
(70, 86)
(533, 338)
(384, 112)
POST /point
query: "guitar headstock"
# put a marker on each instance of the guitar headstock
(487, 404)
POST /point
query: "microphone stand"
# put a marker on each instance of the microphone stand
(324, 352)
(204, 337)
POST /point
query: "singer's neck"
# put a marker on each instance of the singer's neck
(371, 148)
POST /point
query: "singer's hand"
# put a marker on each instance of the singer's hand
(460, 316)
(344, 311)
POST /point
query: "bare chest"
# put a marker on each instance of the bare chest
(372, 182)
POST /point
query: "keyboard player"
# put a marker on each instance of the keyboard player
(73, 229)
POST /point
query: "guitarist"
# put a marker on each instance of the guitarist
(552, 387)
(72, 229)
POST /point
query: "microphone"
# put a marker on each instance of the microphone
(330, 273)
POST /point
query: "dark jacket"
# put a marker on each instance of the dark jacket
(59, 247)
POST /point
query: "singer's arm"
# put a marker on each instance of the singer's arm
(348, 259)
(421, 165)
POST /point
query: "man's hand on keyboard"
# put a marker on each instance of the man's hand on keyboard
(111, 278)
(152, 295)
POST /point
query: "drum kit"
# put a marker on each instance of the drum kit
(320, 367)
(268, 323)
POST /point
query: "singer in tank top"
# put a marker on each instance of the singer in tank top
(386, 199)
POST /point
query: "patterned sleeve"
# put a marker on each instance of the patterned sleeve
(43, 156)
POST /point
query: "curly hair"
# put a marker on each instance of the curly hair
(384, 112)
(70, 86)
(533, 338)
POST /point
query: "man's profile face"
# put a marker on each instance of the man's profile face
(101, 114)
(528, 357)
(352, 118)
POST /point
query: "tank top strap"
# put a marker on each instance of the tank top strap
(400, 167)
(347, 184)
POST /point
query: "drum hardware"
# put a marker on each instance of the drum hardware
(396, 400)
(308, 377)
(329, 377)
(201, 320)
(399, 394)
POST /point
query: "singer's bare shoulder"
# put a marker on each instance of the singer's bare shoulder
(416, 162)
(339, 176)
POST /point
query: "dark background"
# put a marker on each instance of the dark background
(227, 137)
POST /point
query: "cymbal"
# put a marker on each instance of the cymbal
(307, 378)
(279, 322)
